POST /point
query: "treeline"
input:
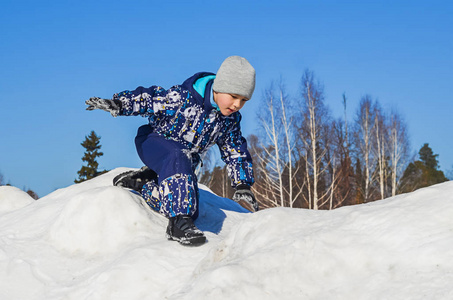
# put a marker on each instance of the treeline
(303, 157)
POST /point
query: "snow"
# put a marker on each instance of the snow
(96, 241)
(12, 198)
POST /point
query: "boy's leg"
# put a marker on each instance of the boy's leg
(177, 183)
(150, 192)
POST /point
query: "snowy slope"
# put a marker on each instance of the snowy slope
(95, 241)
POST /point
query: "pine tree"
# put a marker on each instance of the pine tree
(423, 172)
(428, 157)
(92, 146)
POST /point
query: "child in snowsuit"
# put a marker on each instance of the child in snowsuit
(184, 121)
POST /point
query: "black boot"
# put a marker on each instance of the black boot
(135, 179)
(182, 229)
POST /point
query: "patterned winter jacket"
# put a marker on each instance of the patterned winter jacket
(184, 115)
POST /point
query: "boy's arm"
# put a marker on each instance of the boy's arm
(239, 165)
(233, 148)
(141, 101)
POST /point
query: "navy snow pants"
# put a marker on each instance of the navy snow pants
(176, 191)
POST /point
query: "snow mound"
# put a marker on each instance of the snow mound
(95, 241)
(12, 198)
(392, 248)
(100, 220)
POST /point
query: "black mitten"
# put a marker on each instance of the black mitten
(112, 106)
(243, 192)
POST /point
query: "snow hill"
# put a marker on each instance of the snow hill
(96, 241)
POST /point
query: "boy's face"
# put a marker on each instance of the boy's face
(229, 103)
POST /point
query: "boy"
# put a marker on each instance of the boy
(184, 121)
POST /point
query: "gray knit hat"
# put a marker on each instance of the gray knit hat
(235, 76)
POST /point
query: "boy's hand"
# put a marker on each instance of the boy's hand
(243, 192)
(112, 106)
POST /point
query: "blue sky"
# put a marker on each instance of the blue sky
(56, 54)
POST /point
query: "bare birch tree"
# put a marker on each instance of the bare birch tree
(292, 169)
(398, 149)
(276, 149)
(271, 157)
(380, 149)
(330, 160)
(287, 124)
(314, 114)
(364, 138)
(341, 166)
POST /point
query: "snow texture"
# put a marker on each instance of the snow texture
(96, 241)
